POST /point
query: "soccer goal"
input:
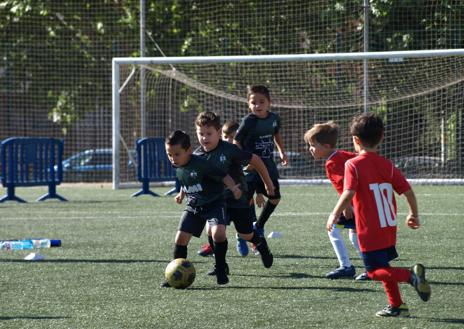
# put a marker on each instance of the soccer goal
(420, 95)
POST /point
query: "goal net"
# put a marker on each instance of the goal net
(419, 94)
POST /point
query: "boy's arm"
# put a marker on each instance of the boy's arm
(412, 219)
(230, 184)
(343, 202)
(260, 167)
(280, 146)
(180, 196)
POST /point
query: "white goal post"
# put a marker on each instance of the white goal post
(305, 89)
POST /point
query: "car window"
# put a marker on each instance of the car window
(100, 159)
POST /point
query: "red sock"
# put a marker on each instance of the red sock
(390, 276)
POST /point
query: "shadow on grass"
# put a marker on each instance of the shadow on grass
(303, 257)
(437, 283)
(38, 317)
(459, 268)
(93, 261)
(231, 286)
(460, 321)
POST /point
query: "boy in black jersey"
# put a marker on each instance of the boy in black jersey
(257, 133)
(231, 159)
(203, 185)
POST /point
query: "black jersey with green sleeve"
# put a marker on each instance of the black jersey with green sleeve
(201, 181)
(231, 159)
(256, 135)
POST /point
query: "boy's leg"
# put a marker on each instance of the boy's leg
(220, 250)
(346, 268)
(269, 206)
(244, 226)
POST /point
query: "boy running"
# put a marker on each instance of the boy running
(370, 181)
(231, 159)
(322, 141)
(203, 184)
(257, 134)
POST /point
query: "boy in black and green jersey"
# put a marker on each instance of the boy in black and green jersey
(231, 158)
(257, 133)
(203, 184)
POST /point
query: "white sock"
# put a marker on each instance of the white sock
(354, 240)
(339, 247)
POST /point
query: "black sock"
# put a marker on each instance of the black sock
(255, 238)
(180, 251)
(220, 249)
(265, 214)
(211, 242)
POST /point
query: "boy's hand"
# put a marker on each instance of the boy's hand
(331, 221)
(283, 159)
(260, 200)
(179, 197)
(236, 191)
(413, 222)
(348, 212)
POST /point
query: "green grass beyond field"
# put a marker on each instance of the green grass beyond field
(107, 273)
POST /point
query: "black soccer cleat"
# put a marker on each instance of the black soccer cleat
(390, 311)
(266, 256)
(165, 284)
(419, 282)
(213, 270)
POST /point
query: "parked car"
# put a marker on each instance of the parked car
(92, 165)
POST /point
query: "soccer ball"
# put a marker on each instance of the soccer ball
(180, 273)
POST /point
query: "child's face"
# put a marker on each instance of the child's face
(177, 155)
(259, 105)
(208, 137)
(319, 151)
(228, 138)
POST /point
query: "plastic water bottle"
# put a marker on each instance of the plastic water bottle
(29, 244)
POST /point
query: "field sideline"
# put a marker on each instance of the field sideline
(115, 248)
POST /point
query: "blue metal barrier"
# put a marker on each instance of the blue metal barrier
(153, 164)
(28, 161)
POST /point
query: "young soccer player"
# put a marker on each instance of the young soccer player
(229, 128)
(257, 133)
(322, 141)
(203, 184)
(370, 183)
(231, 158)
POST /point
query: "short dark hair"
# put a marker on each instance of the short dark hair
(258, 89)
(230, 127)
(208, 118)
(323, 133)
(178, 137)
(369, 128)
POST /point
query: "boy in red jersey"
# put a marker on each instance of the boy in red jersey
(322, 140)
(370, 181)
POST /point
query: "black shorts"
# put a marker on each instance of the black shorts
(378, 258)
(243, 219)
(257, 185)
(193, 220)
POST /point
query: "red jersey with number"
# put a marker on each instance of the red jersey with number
(335, 168)
(374, 179)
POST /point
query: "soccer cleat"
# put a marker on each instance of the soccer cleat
(221, 277)
(390, 311)
(213, 271)
(242, 246)
(419, 282)
(205, 250)
(165, 284)
(266, 256)
(363, 277)
(341, 272)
